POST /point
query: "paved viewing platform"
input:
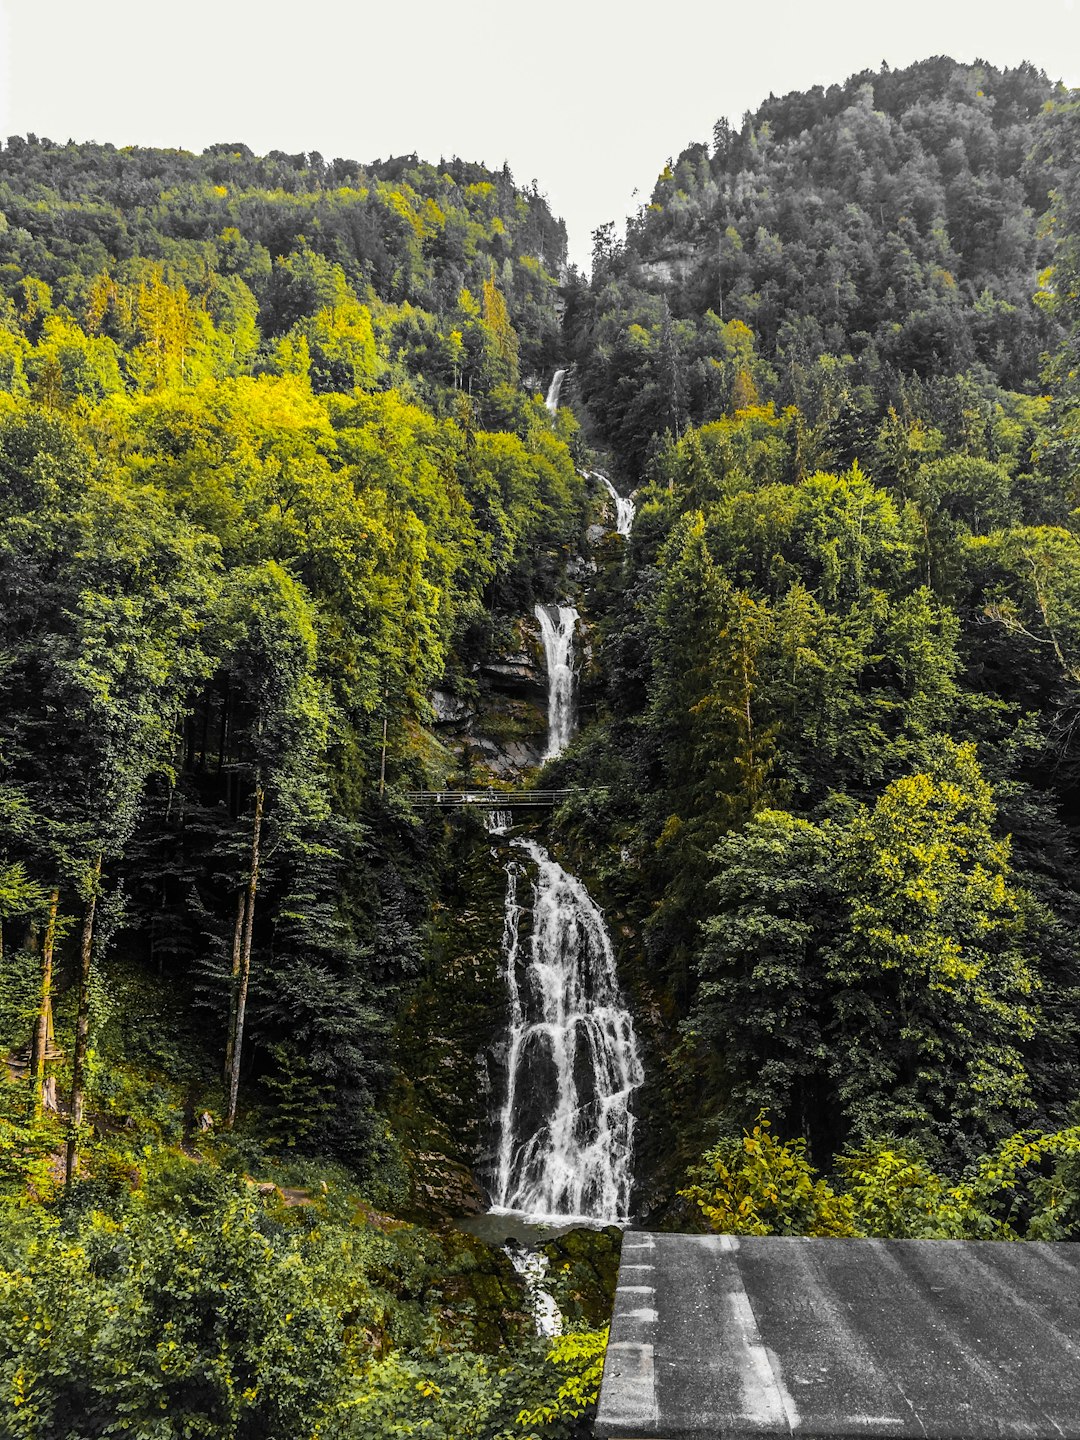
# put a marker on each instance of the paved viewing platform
(722, 1336)
(490, 799)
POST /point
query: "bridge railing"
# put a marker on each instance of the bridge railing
(488, 799)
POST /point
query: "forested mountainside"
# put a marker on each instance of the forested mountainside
(279, 493)
(892, 223)
(839, 666)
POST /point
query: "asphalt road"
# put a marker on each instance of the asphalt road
(718, 1336)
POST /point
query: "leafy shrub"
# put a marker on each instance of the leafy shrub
(1027, 1188)
(759, 1185)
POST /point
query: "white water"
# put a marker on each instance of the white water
(510, 947)
(566, 1129)
(624, 506)
(532, 1266)
(552, 401)
(557, 633)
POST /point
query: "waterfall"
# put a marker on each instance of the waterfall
(557, 633)
(566, 1128)
(498, 822)
(552, 401)
(532, 1266)
(510, 946)
(624, 507)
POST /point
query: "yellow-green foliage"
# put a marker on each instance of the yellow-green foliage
(579, 1359)
(758, 1185)
(457, 1396)
(1027, 1188)
(195, 1305)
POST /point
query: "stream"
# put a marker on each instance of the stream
(566, 1124)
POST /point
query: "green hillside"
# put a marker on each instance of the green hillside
(279, 491)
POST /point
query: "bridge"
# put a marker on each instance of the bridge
(488, 799)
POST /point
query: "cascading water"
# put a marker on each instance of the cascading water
(498, 822)
(566, 1127)
(557, 633)
(532, 1266)
(552, 401)
(624, 506)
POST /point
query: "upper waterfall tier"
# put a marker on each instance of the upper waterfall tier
(624, 506)
(557, 632)
(552, 401)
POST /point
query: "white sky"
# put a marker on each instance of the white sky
(588, 98)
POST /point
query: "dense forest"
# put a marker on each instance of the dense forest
(279, 490)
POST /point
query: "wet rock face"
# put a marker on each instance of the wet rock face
(444, 1187)
(580, 570)
(450, 709)
(499, 729)
(513, 675)
(509, 760)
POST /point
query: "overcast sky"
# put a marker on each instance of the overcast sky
(588, 98)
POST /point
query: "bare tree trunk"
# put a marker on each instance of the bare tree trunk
(234, 986)
(245, 962)
(82, 1029)
(385, 732)
(43, 1027)
(205, 743)
(223, 729)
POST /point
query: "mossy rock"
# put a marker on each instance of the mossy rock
(442, 1188)
(479, 1290)
(582, 1274)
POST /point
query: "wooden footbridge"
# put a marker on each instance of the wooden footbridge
(487, 799)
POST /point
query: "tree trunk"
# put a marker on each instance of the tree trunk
(43, 1027)
(223, 729)
(234, 986)
(245, 962)
(385, 729)
(205, 734)
(82, 1029)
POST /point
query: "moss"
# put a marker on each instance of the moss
(442, 1104)
(512, 719)
(583, 1272)
(478, 1286)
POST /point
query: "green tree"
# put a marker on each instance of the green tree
(110, 592)
(271, 653)
(759, 1009)
(934, 989)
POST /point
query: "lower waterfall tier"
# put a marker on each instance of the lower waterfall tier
(566, 1126)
